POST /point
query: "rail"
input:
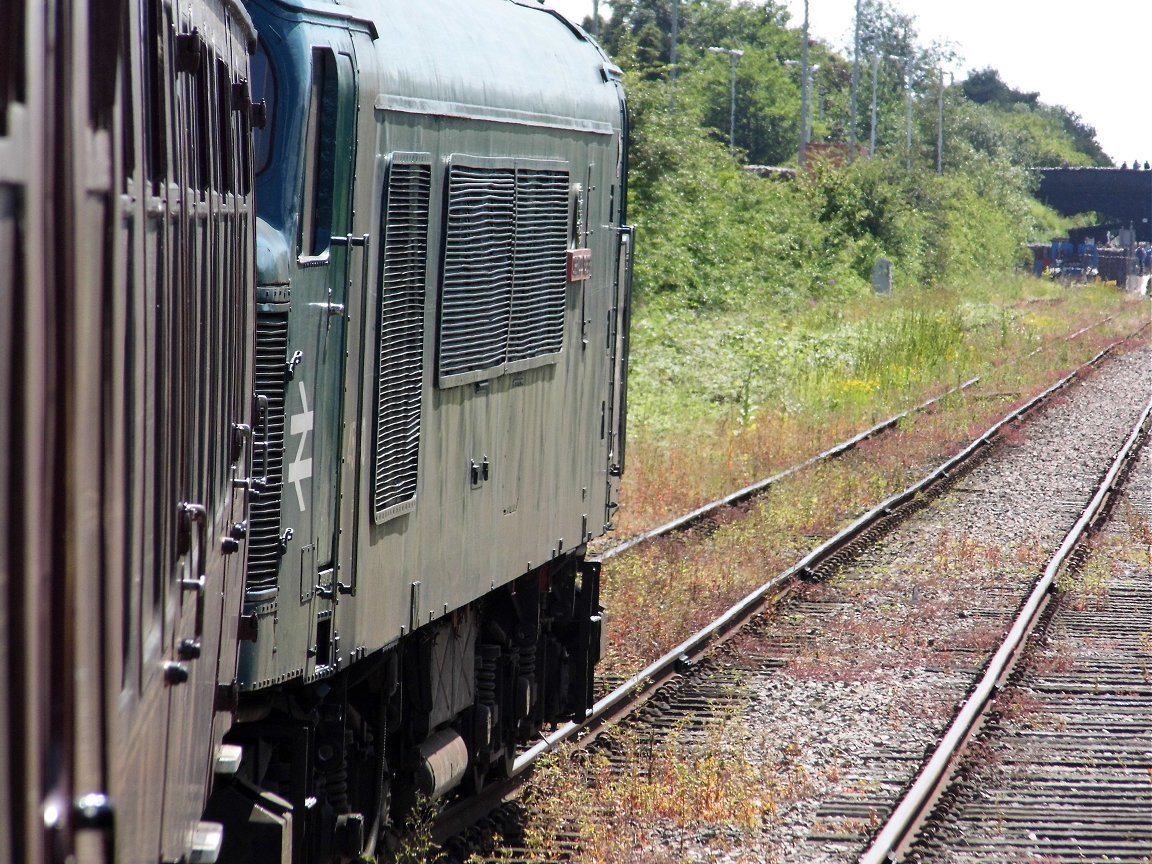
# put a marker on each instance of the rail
(644, 681)
(915, 804)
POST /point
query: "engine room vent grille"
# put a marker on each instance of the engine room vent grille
(504, 279)
(477, 269)
(403, 272)
(268, 458)
(540, 268)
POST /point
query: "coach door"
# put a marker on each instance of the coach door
(328, 258)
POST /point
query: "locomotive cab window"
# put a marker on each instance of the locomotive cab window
(224, 152)
(263, 90)
(153, 116)
(319, 157)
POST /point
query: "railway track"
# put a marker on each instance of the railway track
(837, 822)
(753, 490)
(1063, 769)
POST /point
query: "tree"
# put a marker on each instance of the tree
(985, 87)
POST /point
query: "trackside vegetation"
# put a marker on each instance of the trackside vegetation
(754, 314)
(757, 342)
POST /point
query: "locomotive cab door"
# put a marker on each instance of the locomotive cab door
(327, 256)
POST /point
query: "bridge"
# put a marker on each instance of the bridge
(1119, 195)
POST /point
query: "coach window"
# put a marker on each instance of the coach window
(103, 29)
(202, 112)
(153, 119)
(12, 57)
(319, 157)
(224, 128)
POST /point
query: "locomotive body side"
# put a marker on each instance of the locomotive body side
(443, 274)
(522, 153)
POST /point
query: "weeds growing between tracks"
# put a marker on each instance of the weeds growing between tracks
(659, 593)
(870, 363)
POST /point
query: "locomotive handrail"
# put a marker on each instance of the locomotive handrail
(262, 405)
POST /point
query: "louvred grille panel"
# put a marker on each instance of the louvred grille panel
(401, 356)
(540, 274)
(505, 268)
(477, 289)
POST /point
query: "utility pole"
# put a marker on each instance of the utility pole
(806, 85)
(805, 93)
(876, 58)
(734, 54)
(940, 128)
(674, 52)
(872, 127)
(855, 84)
(908, 118)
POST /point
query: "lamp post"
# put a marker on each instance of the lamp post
(805, 93)
(876, 58)
(806, 121)
(908, 115)
(855, 83)
(674, 52)
(808, 75)
(734, 54)
(940, 127)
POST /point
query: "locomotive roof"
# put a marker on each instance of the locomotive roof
(515, 56)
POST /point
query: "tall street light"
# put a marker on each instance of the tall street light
(940, 126)
(734, 54)
(855, 83)
(805, 93)
(808, 76)
(806, 123)
(876, 58)
(674, 52)
(908, 113)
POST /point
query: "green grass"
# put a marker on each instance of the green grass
(721, 399)
(848, 369)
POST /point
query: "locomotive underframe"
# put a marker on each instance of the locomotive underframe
(450, 703)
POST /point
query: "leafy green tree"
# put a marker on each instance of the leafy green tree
(767, 92)
(716, 239)
(985, 86)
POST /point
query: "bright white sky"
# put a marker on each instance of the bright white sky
(1093, 58)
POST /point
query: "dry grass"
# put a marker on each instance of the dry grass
(669, 589)
(678, 789)
(669, 474)
(682, 792)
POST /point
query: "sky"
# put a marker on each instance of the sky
(1095, 60)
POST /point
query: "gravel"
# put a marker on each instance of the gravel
(876, 658)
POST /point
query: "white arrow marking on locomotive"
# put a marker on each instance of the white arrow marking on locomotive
(301, 468)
